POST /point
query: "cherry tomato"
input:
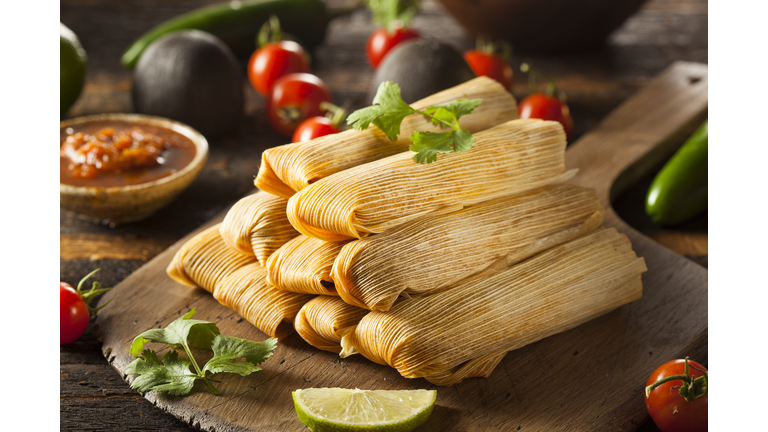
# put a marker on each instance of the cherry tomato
(293, 99)
(490, 65)
(381, 41)
(273, 61)
(669, 410)
(74, 314)
(314, 127)
(541, 106)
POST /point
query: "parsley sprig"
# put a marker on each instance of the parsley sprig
(389, 110)
(172, 375)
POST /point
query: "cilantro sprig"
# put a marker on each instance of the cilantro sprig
(172, 375)
(389, 110)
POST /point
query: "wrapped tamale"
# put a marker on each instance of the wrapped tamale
(554, 291)
(304, 265)
(289, 168)
(205, 260)
(246, 292)
(434, 252)
(257, 225)
(480, 367)
(513, 157)
(322, 320)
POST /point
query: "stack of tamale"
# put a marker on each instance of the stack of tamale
(437, 270)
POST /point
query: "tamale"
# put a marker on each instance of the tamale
(304, 265)
(205, 260)
(480, 367)
(289, 168)
(246, 292)
(548, 293)
(514, 157)
(257, 225)
(322, 320)
(434, 252)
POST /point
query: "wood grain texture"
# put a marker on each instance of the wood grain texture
(581, 380)
(100, 246)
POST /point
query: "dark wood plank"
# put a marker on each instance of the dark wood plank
(608, 355)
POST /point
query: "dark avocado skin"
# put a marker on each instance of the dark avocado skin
(192, 77)
(421, 67)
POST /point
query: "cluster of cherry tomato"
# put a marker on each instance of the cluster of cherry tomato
(298, 100)
(279, 70)
(489, 59)
(550, 105)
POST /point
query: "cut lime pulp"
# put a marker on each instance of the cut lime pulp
(337, 409)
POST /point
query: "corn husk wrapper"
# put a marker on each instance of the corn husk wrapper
(292, 167)
(480, 367)
(304, 265)
(205, 260)
(322, 321)
(432, 253)
(272, 311)
(549, 293)
(514, 157)
(257, 225)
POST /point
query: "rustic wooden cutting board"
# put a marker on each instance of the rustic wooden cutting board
(590, 378)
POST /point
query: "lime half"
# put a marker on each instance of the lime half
(337, 409)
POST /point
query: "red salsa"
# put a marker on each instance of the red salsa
(115, 153)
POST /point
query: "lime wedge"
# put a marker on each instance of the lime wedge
(337, 409)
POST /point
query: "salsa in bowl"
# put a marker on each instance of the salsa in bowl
(118, 168)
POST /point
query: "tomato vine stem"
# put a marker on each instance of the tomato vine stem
(691, 389)
(533, 73)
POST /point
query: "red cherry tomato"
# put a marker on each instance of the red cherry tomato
(74, 314)
(492, 66)
(381, 41)
(293, 99)
(274, 60)
(541, 106)
(314, 127)
(669, 410)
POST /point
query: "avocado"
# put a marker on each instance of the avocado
(193, 77)
(421, 67)
(73, 65)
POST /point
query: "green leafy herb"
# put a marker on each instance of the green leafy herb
(389, 110)
(172, 374)
(392, 13)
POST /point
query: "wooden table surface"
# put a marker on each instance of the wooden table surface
(663, 31)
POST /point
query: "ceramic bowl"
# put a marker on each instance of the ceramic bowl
(543, 26)
(118, 205)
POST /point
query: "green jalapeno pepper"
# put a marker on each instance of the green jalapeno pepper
(237, 24)
(679, 191)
